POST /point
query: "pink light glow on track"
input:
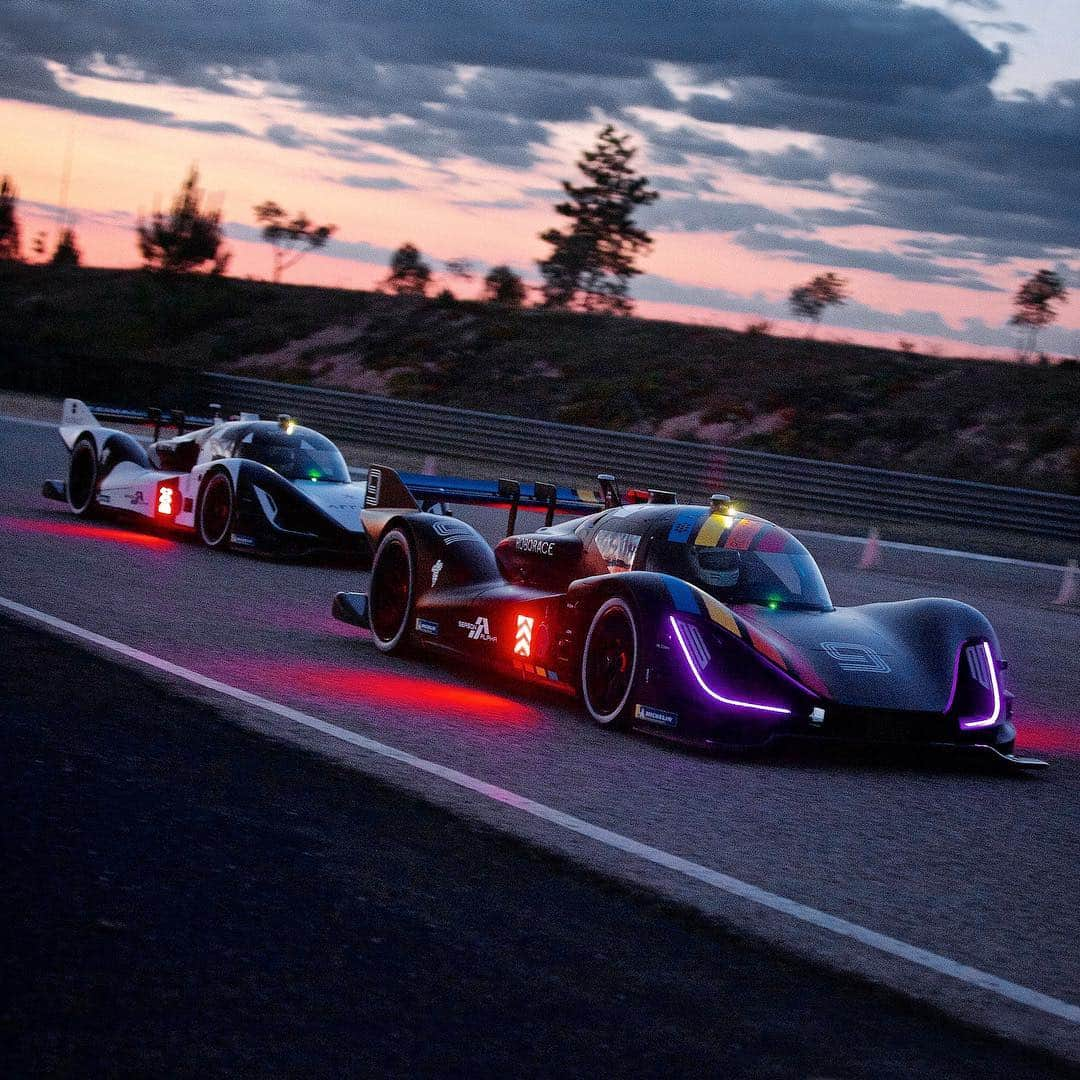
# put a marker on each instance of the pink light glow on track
(78, 530)
(354, 686)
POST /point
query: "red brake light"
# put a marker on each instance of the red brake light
(168, 500)
(523, 637)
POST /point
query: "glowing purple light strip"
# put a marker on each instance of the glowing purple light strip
(993, 717)
(712, 693)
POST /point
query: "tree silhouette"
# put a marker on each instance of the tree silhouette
(503, 286)
(591, 263)
(187, 237)
(809, 301)
(292, 239)
(409, 274)
(67, 251)
(9, 221)
(1034, 302)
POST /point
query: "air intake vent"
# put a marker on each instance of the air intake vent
(978, 665)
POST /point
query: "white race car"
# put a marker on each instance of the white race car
(246, 483)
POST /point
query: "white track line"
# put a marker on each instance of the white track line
(658, 857)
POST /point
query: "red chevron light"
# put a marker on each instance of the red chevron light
(523, 636)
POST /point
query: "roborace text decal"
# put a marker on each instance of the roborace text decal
(535, 544)
(617, 549)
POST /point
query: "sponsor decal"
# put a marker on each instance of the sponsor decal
(535, 545)
(436, 570)
(683, 526)
(426, 626)
(479, 629)
(656, 716)
(617, 549)
(858, 658)
(136, 499)
(242, 541)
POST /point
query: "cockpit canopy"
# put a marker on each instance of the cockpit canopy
(299, 454)
(783, 576)
(743, 560)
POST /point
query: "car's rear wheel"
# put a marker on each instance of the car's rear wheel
(393, 576)
(83, 477)
(609, 663)
(214, 516)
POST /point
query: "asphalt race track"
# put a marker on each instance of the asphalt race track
(974, 866)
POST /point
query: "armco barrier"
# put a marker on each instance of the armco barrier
(537, 449)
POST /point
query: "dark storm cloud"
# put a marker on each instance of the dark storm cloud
(898, 94)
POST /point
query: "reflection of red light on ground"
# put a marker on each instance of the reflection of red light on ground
(384, 689)
(78, 530)
(1047, 737)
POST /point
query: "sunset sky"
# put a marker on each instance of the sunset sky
(929, 152)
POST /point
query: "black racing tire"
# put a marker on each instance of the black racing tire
(216, 510)
(82, 483)
(611, 663)
(392, 595)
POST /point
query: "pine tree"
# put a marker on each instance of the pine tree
(409, 274)
(591, 263)
(503, 286)
(9, 221)
(809, 301)
(187, 237)
(1033, 302)
(67, 251)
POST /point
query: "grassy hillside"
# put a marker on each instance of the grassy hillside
(997, 422)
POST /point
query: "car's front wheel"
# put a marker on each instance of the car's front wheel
(214, 514)
(609, 663)
(393, 576)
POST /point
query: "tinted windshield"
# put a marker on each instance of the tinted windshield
(785, 576)
(301, 455)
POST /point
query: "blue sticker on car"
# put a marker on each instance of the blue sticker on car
(682, 528)
(426, 626)
(682, 596)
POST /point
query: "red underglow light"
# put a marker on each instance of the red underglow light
(523, 637)
(408, 694)
(78, 530)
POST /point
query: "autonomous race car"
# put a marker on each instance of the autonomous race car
(250, 484)
(700, 623)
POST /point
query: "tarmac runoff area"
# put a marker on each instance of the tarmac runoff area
(186, 897)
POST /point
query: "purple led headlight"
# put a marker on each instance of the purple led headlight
(699, 678)
(980, 661)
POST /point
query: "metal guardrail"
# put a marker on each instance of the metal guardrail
(548, 451)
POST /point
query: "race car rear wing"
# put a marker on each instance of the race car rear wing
(418, 491)
(77, 412)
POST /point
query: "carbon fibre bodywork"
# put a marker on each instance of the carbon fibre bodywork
(711, 661)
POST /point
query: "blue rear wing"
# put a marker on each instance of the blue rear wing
(503, 494)
(388, 489)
